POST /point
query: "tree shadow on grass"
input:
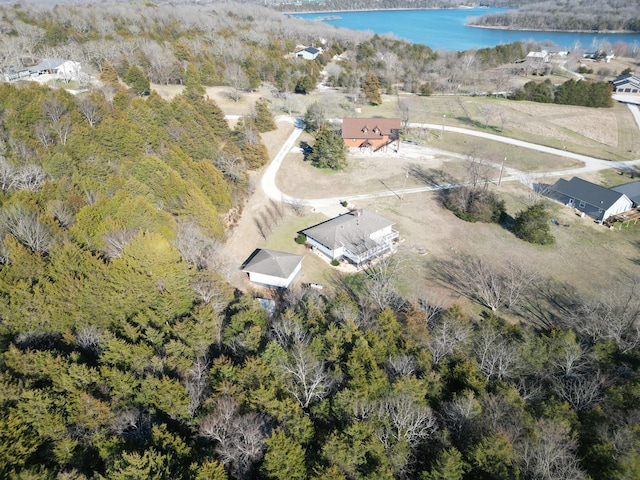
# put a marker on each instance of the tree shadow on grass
(549, 304)
(430, 176)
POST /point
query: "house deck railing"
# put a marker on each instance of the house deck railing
(383, 245)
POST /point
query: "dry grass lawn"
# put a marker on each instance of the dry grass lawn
(585, 255)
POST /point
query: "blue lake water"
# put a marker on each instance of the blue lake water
(446, 30)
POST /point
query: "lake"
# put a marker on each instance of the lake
(446, 30)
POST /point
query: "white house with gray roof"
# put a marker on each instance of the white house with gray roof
(358, 236)
(273, 269)
(596, 201)
(309, 53)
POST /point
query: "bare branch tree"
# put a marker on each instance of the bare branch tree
(90, 110)
(196, 384)
(195, 246)
(448, 335)
(305, 376)
(239, 438)
(25, 226)
(614, 316)
(551, 454)
(115, 241)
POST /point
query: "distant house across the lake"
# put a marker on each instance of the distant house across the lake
(371, 133)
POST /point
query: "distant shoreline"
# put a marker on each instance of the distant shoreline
(516, 29)
(319, 12)
(489, 27)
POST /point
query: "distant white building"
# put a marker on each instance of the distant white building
(66, 70)
(309, 53)
(542, 55)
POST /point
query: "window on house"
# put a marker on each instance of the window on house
(582, 204)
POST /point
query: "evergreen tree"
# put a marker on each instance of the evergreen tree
(371, 89)
(284, 459)
(533, 225)
(329, 150)
(109, 74)
(305, 84)
(193, 85)
(263, 118)
(136, 79)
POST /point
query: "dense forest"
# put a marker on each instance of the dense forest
(124, 353)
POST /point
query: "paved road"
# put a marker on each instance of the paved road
(590, 164)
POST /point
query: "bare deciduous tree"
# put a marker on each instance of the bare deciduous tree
(402, 365)
(196, 247)
(460, 413)
(305, 376)
(208, 290)
(615, 316)
(26, 227)
(496, 355)
(90, 110)
(448, 335)
(115, 241)
(237, 80)
(489, 285)
(409, 420)
(196, 384)
(551, 454)
(239, 438)
(89, 339)
(43, 134)
(52, 109)
(62, 213)
(581, 390)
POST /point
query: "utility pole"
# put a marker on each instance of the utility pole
(404, 185)
(502, 170)
(443, 117)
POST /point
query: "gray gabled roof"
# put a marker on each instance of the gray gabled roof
(312, 50)
(272, 262)
(352, 230)
(588, 192)
(631, 190)
(627, 78)
(47, 64)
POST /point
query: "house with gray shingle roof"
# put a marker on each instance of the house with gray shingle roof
(358, 236)
(596, 201)
(273, 269)
(628, 83)
(631, 190)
